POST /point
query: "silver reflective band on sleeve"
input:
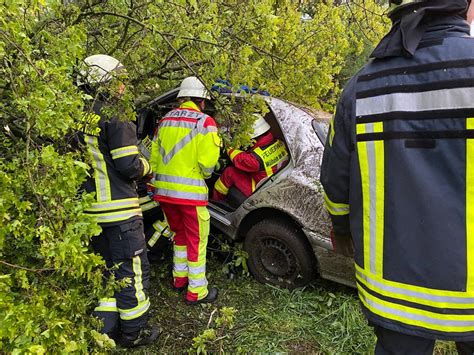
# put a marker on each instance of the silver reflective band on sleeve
(412, 293)
(182, 194)
(100, 168)
(124, 151)
(208, 171)
(336, 209)
(107, 303)
(117, 216)
(444, 99)
(210, 129)
(116, 204)
(197, 269)
(180, 180)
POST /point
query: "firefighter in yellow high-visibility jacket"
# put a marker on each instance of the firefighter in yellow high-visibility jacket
(184, 152)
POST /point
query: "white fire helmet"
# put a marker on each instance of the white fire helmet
(98, 69)
(260, 126)
(193, 87)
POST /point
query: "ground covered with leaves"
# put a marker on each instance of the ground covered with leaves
(248, 317)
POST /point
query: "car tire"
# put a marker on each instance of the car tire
(279, 254)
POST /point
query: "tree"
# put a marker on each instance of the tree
(50, 281)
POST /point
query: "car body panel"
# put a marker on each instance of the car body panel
(294, 192)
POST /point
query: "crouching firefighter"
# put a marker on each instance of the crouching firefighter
(184, 152)
(112, 146)
(158, 233)
(398, 176)
(253, 166)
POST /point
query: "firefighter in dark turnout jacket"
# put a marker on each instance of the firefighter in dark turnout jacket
(398, 175)
(112, 146)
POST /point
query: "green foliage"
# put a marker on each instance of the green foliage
(237, 260)
(224, 322)
(199, 342)
(50, 282)
(226, 317)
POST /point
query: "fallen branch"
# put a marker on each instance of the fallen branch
(210, 318)
(26, 268)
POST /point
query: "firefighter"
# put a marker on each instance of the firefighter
(252, 166)
(112, 146)
(184, 152)
(398, 176)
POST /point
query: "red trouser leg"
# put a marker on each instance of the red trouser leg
(191, 225)
(196, 225)
(231, 176)
(180, 257)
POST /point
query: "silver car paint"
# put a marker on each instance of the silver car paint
(296, 191)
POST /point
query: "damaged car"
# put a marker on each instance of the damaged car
(283, 225)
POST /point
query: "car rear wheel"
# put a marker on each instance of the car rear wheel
(279, 254)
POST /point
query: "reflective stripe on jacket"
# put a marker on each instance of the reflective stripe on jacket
(399, 166)
(184, 153)
(116, 165)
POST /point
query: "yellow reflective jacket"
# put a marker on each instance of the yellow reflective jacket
(184, 152)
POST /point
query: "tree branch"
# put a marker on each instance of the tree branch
(26, 268)
(258, 49)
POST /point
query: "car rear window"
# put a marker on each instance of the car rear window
(321, 129)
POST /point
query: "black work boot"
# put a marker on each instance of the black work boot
(211, 297)
(145, 336)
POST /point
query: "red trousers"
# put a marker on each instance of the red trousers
(231, 176)
(191, 227)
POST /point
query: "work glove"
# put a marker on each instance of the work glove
(342, 244)
(221, 164)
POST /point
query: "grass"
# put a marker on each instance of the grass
(248, 317)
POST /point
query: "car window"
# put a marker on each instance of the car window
(321, 129)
